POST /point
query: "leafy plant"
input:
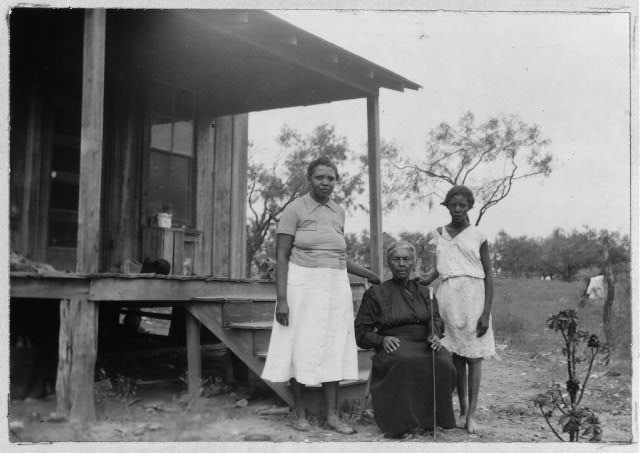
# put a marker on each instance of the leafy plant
(575, 420)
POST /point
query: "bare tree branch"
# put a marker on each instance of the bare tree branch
(505, 148)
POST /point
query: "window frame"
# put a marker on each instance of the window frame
(171, 154)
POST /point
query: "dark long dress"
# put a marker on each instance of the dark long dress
(402, 381)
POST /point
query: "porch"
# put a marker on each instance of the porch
(107, 108)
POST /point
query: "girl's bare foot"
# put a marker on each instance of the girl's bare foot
(337, 425)
(301, 424)
(472, 426)
(461, 422)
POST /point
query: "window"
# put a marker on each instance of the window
(171, 155)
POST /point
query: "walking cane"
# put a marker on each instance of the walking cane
(433, 364)
(367, 390)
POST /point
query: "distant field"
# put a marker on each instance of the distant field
(520, 311)
(522, 306)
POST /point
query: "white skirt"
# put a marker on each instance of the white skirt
(461, 303)
(319, 343)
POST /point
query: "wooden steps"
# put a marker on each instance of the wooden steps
(244, 326)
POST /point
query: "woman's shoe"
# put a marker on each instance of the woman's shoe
(335, 424)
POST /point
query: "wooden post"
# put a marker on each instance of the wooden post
(79, 318)
(91, 141)
(77, 350)
(375, 184)
(194, 357)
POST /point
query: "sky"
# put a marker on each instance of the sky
(568, 73)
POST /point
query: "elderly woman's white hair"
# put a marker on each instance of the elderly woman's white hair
(398, 245)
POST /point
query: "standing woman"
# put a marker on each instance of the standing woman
(313, 340)
(462, 261)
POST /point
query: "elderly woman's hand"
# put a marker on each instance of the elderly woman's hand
(434, 342)
(282, 312)
(390, 344)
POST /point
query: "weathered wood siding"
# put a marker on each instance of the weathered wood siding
(217, 243)
(123, 150)
(229, 196)
(204, 188)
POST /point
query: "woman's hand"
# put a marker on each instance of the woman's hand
(373, 279)
(390, 344)
(483, 324)
(282, 312)
(361, 271)
(435, 343)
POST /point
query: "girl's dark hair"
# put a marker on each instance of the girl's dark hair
(322, 160)
(459, 190)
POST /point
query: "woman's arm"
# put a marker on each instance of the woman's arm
(485, 259)
(365, 322)
(284, 244)
(362, 271)
(428, 278)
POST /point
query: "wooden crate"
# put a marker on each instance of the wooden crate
(164, 243)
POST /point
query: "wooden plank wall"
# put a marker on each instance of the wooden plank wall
(124, 142)
(222, 196)
(30, 229)
(204, 186)
(238, 220)
(229, 196)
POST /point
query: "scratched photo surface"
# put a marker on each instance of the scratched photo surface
(157, 163)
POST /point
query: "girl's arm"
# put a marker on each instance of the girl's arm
(362, 271)
(284, 244)
(485, 259)
(432, 274)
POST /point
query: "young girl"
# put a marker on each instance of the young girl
(465, 296)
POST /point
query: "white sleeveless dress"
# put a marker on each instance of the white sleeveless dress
(461, 294)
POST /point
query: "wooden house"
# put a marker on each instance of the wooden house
(117, 114)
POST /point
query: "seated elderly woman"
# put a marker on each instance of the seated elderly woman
(394, 318)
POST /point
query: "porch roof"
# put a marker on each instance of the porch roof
(250, 60)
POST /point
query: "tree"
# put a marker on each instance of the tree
(566, 253)
(271, 189)
(359, 248)
(517, 256)
(488, 158)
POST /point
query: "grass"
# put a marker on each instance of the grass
(521, 308)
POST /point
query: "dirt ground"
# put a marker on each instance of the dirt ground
(163, 412)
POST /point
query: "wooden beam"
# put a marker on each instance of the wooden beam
(28, 287)
(238, 220)
(79, 317)
(375, 184)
